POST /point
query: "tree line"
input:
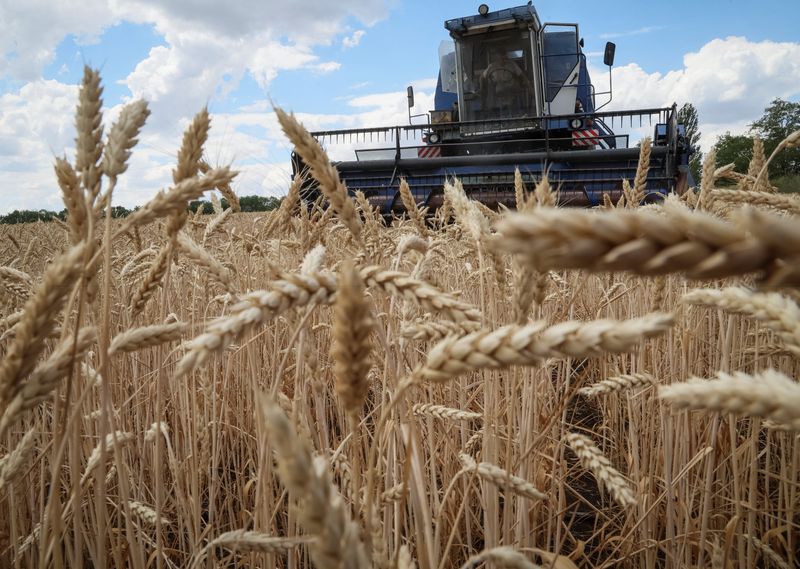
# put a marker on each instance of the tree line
(779, 120)
(247, 203)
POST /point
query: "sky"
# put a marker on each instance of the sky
(339, 64)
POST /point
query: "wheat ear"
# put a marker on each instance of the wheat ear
(321, 510)
(89, 126)
(777, 312)
(593, 460)
(44, 379)
(146, 336)
(38, 319)
(618, 383)
(676, 240)
(201, 257)
(321, 170)
(12, 464)
(352, 327)
(122, 138)
(501, 557)
(174, 200)
(640, 181)
(534, 343)
(215, 224)
(429, 330)
(419, 292)
(787, 203)
(16, 281)
(768, 394)
(444, 413)
(121, 438)
(150, 283)
(501, 478)
(73, 200)
(412, 209)
(768, 552)
(146, 514)
(313, 260)
(250, 541)
(254, 308)
(225, 189)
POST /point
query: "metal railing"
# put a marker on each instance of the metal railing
(537, 130)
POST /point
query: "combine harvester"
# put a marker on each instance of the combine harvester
(512, 93)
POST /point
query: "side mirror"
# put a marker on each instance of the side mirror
(410, 92)
(608, 55)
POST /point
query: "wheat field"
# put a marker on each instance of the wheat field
(315, 387)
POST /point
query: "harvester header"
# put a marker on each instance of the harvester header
(512, 92)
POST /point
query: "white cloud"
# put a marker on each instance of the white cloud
(730, 81)
(208, 48)
(32, 29)
(353, 40)
(36, 125)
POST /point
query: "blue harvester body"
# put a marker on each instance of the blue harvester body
(512, 93)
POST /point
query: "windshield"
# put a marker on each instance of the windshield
(497, 79)
(560, 58)
(447, 67)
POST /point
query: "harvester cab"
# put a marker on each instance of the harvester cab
(511, 93)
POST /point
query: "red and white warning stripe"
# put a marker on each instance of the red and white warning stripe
(586, 137)
(430, 151)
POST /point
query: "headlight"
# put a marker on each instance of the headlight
(575, 124)
(434, 138)
(483, 9)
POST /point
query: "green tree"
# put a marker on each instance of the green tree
(780, 119)
(688, 117)
(736, 148)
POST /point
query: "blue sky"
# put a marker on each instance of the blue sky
(343, 63)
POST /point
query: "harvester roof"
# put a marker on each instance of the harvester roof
(501, 18)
